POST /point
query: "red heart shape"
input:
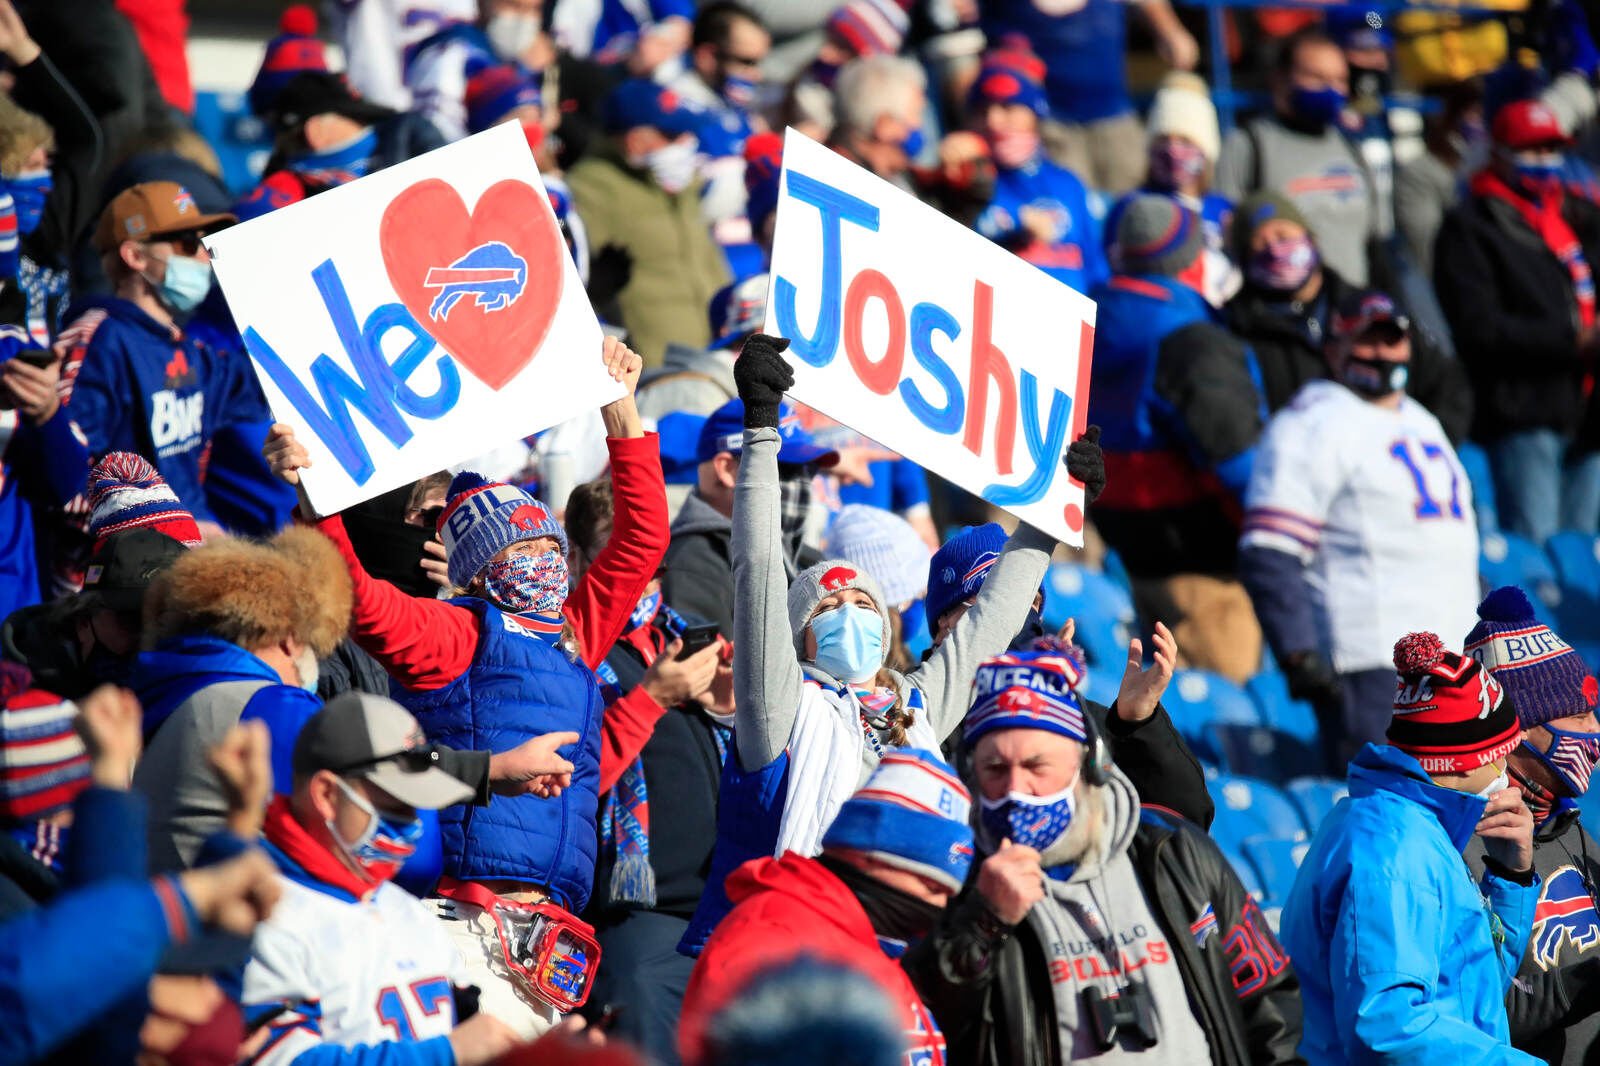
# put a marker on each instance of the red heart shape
(484, 284)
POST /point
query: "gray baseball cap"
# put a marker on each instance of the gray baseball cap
(374, 738)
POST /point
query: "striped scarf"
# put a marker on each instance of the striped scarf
(625, 819)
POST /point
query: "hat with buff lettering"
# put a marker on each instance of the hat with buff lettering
(1541, 673)
(1450, 714)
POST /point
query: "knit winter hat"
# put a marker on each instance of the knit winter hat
(957, 570)
(1450, 713)
(1540, 672)
(1027, 690)
(481, 517)
(1004, 84)
(869, 27)
(912, 814)
(1156, 235)
(886, 546)
(295, 50)
(43, 763)
(494, 91)
(1182, 107)
(1256, 211)
(826, 577)
(126, 492)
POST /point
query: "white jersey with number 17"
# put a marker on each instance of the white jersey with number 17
(1375, 504)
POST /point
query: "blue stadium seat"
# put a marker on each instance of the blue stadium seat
(1510, 559)
(1577, 561)
(242, 142)
(1103, 609)
(1248, 875)
(1249, 808)
(1198, 698)
(1277, 860)
(1315, 798)
(1270, 693)
(1476, 463)
(1262, 752)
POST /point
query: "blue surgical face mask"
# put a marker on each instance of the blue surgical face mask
(914, 142)
(1032, 821)
(29, 190)
(384, 846)
(1319, 106)
(849, 642)
(186, 283)
(739, 92)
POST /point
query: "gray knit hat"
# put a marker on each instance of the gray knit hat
(825, 578)
(1156, 235)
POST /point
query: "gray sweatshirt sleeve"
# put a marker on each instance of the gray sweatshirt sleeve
(984, 631)
(766, 673)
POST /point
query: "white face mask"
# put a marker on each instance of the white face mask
(305, 664)
(672, 166)
(1498, 784)
(511, 33)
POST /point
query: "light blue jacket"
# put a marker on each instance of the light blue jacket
(1393, 941)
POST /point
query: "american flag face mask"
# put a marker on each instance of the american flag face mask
(1572, 756)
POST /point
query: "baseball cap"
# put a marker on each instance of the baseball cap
(738, 310)
(1363, 309)
(1528, 124)
(150, 210)
(372, 737)
(321, 92)
(125, 566)
(724, 432)
(641, 102)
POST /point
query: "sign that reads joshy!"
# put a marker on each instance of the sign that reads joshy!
(919, 333)
(415, 318)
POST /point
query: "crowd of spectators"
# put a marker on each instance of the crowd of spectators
(700, 729)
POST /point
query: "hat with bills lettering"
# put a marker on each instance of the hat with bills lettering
(957, 569)
(481, 517)
(911, 814)
(1027, 690)
(1450, 714)
(43, 763)
(1541, 673)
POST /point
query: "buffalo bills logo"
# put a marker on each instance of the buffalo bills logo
(184, 201)
(980, 567)
(837, 578)
(528, 517)
(960, 852)
(1565, 914)
(491, 272)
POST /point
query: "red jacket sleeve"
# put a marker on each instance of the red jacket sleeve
(610, 589)
(627, 725)
(423, 644)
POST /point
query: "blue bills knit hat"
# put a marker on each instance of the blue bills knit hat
(912, 814)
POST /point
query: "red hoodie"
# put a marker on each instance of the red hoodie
(785, 907)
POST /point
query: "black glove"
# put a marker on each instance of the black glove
(763, 375)
(1087, 463)
(610, 270)
(1310, 677)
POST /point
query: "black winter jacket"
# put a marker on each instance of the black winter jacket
(1511, 308)
(989, 984)
(1288, 347)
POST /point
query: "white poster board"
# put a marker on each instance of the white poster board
(931, 340)
(415, 318)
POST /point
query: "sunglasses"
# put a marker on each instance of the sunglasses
(187, 243)
(414, 761)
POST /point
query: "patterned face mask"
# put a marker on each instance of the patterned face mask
(1032, 821)
(1571, 757)
(524, 583)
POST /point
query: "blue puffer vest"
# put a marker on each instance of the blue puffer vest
(519, 687)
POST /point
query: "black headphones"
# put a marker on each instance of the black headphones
(1096, 755)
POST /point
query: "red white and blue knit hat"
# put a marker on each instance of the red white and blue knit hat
(482, 517)
(494, 91)
(295, 50)
(126, 492)
(1450, 714)
(869, 27)
(1027, 690)
(1541, 673)
(43, 763)
(911, 814)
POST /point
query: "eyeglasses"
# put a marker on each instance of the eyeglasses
(187, 243)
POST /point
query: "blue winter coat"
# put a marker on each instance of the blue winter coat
(1076, 255)
(519, 686)
(1389, 934)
